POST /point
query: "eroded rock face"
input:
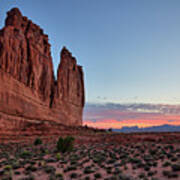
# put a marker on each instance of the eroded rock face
(28, 88)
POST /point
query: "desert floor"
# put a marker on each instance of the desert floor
(96, 155)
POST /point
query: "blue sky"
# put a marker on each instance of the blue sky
(130, 50)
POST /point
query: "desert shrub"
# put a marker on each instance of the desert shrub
(174, 159)
(7, 167)
(46, 151)
(49, 169)
(86, 127)
(30, 176)
(152, 151)
(135, 160)
(169, 155)
(87, 178)
(170, 174)
(110, 130)
(171, 147)
(154, 164)
(154, 178)
(70, 168)
(166, 173)
(166, 164)
(25, 154)
(150, 173)
(125, 177)
(37, 141)
(175, 167)
(17, 172)
(73, 175)
(31, 168)
(16, 165)
(97, 175)
(58, 156)
(88, 170)
(111, 161)
(65, 144)
(173, 175)
(146, 168)
(142, 175)
(59, 175)
(116, 171)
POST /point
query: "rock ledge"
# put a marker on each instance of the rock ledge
(28, 89)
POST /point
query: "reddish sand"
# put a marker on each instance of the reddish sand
(123, 155)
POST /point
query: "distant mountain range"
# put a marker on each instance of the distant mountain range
(162, 128)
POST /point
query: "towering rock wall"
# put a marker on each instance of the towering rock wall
(28, 89)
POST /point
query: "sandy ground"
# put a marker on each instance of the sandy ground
(96, 155)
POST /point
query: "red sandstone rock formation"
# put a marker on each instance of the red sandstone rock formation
(28, 89)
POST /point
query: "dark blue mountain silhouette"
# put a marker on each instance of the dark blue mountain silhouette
(162, 128)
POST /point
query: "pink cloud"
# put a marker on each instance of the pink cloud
(116, 118)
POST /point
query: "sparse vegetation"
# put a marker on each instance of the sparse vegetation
(37, 141)
(58, 156)
(65, 144)
(176, 167)
(108, 160)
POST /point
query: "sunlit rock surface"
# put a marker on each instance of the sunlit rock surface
(28, 89)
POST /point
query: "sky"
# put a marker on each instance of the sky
(113, 115)
(129, 50)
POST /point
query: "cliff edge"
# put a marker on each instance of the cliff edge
(28, 89)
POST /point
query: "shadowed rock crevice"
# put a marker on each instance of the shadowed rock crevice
(28, 85)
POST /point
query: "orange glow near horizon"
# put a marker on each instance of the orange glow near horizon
(140, 122)
(142, 115)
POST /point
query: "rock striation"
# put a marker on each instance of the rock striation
(28, 89)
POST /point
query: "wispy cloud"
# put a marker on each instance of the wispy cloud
(118, 115)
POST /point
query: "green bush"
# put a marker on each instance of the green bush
(37, 141)
(8, 167)
(58, 156)
(65, 144)
(25, 154)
